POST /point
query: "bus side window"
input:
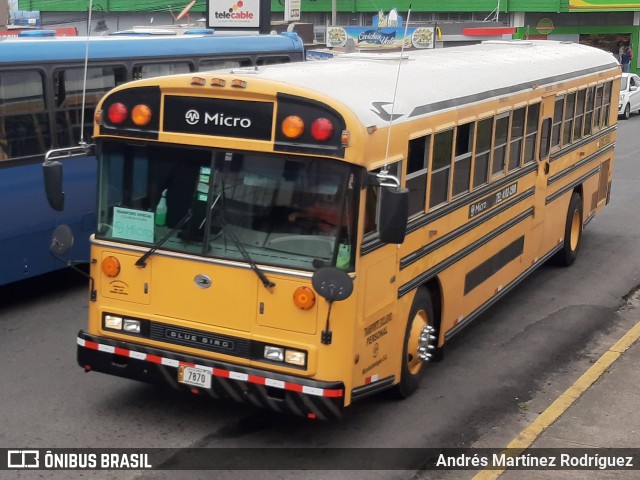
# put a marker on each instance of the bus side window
(372, 197)
(484, 133)
(501, 135)
(556, 129)
(606, 105)
(417, 163)
(462, 160)
(272, 60)
(223, 63)
(597, 111)
(151, 70)
(588, 113)
(517, 135)
(441, 168)
(545, 139)
(533, 118)
(578, 122)
(69, 87)
(24, 126)
(569, 114)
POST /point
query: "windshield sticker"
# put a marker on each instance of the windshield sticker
(203, 183)
(136, 225)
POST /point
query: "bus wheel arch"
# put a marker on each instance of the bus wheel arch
(420, 331)
(572, 231)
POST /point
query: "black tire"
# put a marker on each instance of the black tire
(627, 112)
(572, 233)
(412, 370)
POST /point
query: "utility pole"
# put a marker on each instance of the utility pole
(4, 13)
(334, 8)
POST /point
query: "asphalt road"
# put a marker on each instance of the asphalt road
(509, 364)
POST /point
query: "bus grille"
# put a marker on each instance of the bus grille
(228, 345)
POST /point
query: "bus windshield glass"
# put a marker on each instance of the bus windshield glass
(281, 211)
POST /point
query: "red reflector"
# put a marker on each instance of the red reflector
(322, 129)
(117, 113)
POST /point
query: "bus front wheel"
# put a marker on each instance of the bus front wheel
(419, 333)
(572, 233)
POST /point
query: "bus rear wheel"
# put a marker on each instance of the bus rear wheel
(420, 344)
(572, 233)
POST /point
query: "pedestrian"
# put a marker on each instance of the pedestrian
(625, 58)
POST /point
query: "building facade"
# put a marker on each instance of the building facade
(606, 24)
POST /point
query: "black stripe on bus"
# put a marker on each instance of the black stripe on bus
(477, 97)
(442, 241)
(493, 265)
(436, 269)
(485, 306)
(373, 243)
(467, 200)
(578, 165)
(581, 143)
(572, 185)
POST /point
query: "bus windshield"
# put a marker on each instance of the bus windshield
(281, 211)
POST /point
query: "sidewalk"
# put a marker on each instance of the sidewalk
(600, 410)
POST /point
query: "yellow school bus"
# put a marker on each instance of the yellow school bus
(301, 236)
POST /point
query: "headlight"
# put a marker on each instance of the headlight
(113, 322)
(286, 355)
(295, 357)
(132, 326)
(275, 354)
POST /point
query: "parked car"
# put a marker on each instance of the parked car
(629, 95)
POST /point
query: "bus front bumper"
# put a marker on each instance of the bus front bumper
(282, 393)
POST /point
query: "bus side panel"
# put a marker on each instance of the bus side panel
(27, 221)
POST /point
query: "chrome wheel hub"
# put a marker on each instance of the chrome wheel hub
(426, 343)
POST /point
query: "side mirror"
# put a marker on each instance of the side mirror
(393, 214)
(332, 284)
(61, 240)
(53, 184)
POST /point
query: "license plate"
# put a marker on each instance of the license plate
(197, 377)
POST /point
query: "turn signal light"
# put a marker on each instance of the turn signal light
(141, 115)
(110, 266)
(293, 126)
(117, 113)
(304, 298)
(322, 129)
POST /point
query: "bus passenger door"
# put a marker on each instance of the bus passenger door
(543, 159)
(379, 328)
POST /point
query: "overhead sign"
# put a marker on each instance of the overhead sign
(292, 10)
(605, 6)
(234, 14)
(381, 38)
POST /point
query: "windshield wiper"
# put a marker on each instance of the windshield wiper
(142, 261)
(268, 284)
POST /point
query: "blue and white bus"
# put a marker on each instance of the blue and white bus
(42, 95)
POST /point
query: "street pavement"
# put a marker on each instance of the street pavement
(599, 411)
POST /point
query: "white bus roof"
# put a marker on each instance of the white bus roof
(440, 79)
